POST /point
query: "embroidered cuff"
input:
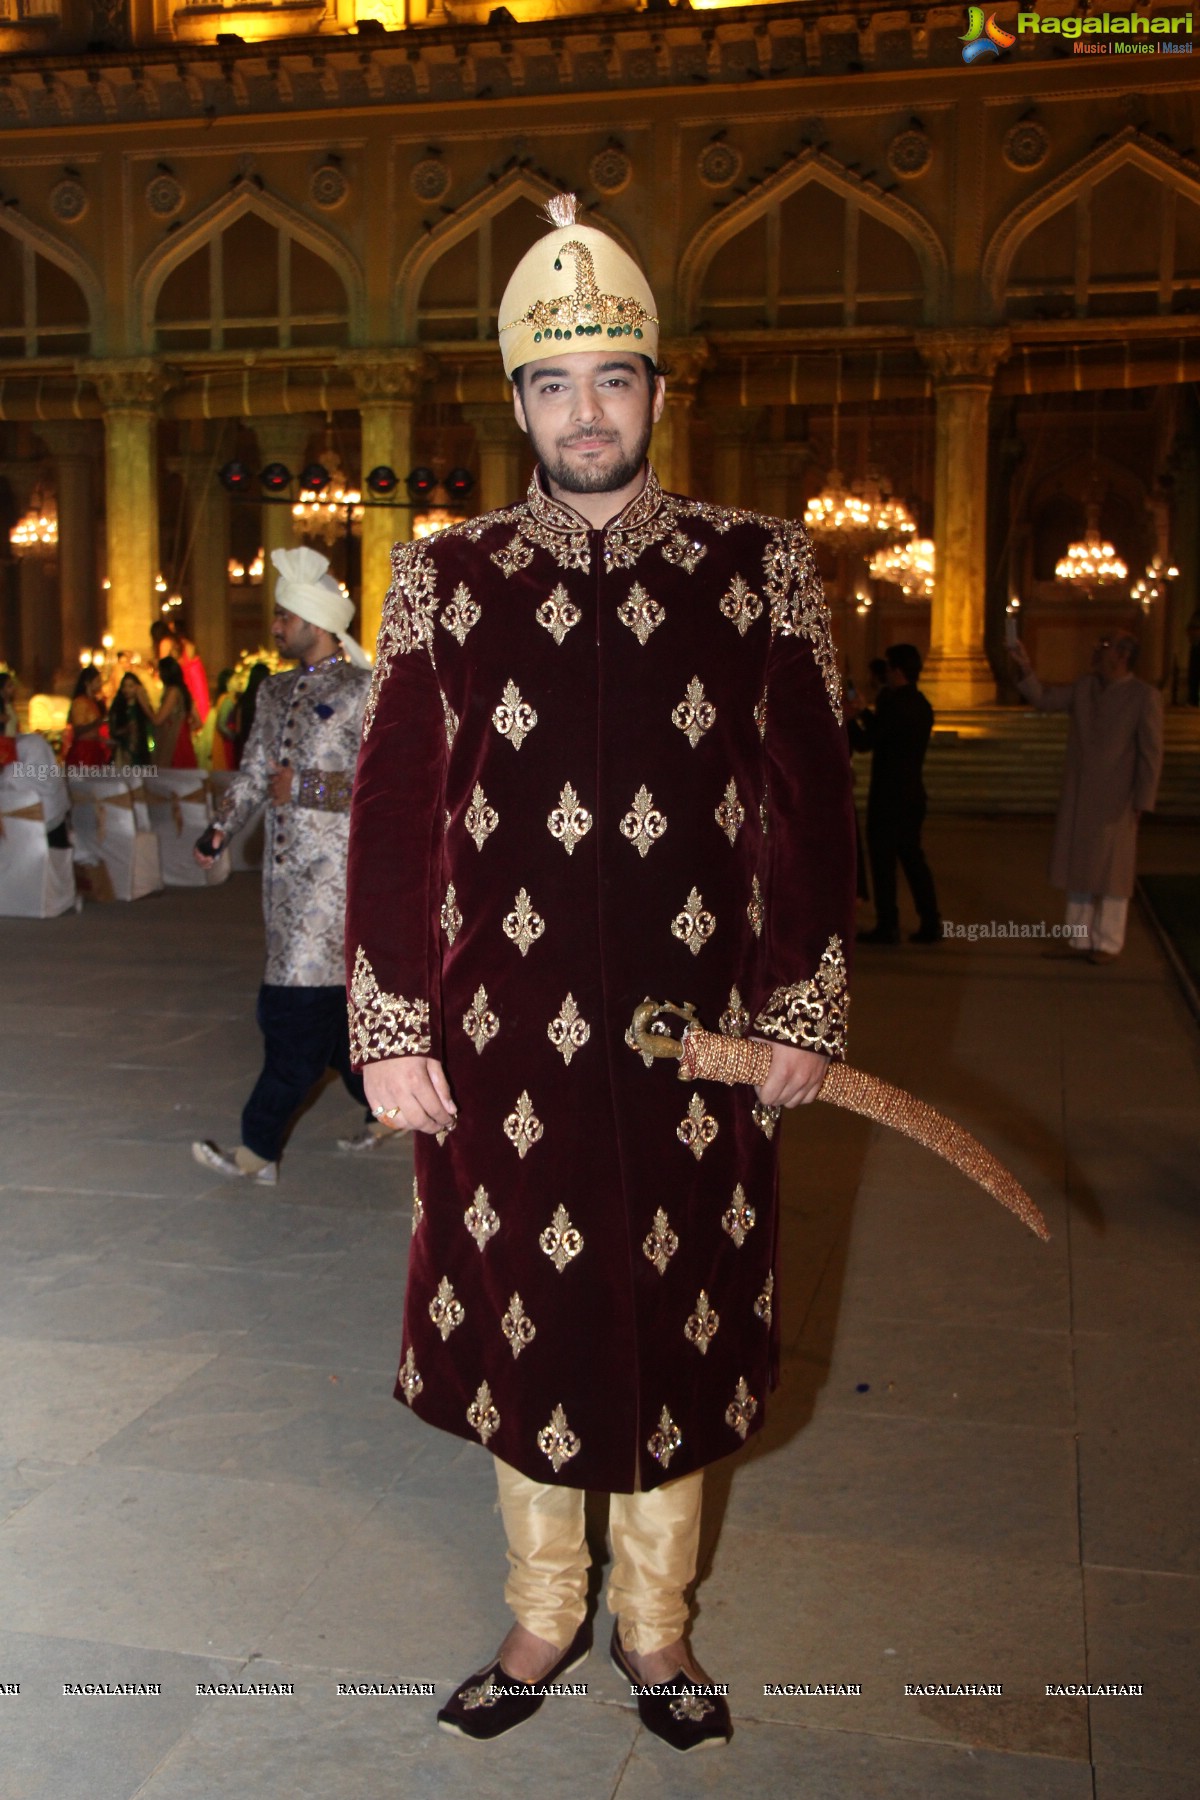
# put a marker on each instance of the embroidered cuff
(811, 1015)
(325, 790)
(383, 1025)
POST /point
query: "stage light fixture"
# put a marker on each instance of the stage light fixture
(458, 483)
(236, 478)
(383, 481)
(275, 478)
(314, 479)
(420, 483)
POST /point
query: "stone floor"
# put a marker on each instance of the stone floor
(982, 1467)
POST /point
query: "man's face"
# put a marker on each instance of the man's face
(1110, 658)
(294, 637)
(589, 417)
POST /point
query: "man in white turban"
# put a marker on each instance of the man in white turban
(300, 759)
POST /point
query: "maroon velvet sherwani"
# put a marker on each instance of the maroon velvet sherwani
(596, 766)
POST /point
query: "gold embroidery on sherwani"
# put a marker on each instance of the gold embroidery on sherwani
(762, 1306)
(514, 555)
(383, 1025)
(408, 608)
(730, 814)
(559, 614)
(760, 714)
(763, 813)
(522, 924)
(418, 1208)
(409, 1378)
(695, 714)
(451, 719)
(522, 1127)
(482, 1415)
(665, 1441)
(766, 1118)
(441, 1136)
(735, 1018)
(693, 926)
(481, 1218)
(697, 1130)
(754, 910)
(798, 607)
(517, 1326)
(445, 1311)
(569, 1031)
(811, 1014)
(642, 614)
(480, 1022)
(643, 824)
(481, 819)
(461, 613)
(560, 1241)
(557, 1441)
(739, 1218)
(684, 552)
(741, 1409)
(569, 822)
(660, 1243)
(451, 917)
(741, 605)
(703, 1324)
(514, 718)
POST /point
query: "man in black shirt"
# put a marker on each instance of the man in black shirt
(897, 734)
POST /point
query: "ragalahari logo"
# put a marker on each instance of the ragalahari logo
(983, 37)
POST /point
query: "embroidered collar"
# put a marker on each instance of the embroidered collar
(553, 515)
(327, 662)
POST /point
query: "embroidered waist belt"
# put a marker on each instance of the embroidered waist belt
(325, 790)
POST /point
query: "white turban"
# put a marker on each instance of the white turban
(303, 586)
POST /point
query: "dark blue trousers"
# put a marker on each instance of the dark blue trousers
(305, 1032)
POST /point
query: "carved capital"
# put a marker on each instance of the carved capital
(966, 358)
(387, 376)
(127, 384)
(686, 358)
(494, 423)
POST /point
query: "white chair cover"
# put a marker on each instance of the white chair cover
(106, 818)
(181, 809)
(246, 851)
(36, 882)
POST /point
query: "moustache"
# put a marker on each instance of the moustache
(590, 437)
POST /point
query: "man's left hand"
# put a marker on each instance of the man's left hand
(795, 1078)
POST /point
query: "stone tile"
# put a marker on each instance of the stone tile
(339, 1321)
(120, 1300)
(1118, 1781)
(1142, 1628)
(21, 1482)
(127, 1166)
(1139, 1471)
(62, 1400)
(778, 1762)
(1135, 1296)
(189, 1563)
(35, 1225)
(92, 1747)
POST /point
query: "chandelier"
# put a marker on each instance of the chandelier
(1091, 563)
(240, 572)
(908, 566)
(329, 511)
(36, 534)
(1152, 585)
(862, 514)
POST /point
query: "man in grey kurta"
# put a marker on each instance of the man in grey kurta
(300, 758)
(1114, 760)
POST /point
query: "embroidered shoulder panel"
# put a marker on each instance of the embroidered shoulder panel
(797, 602)
(409, 609)
(811, 1015)
(381, 1024)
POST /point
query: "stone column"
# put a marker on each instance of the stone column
(206, 575)
(778, 467)
(74, 445)
(671, 449)
(499, 439)
(281, 438)
(735, 429)
(130, 390)
(963, 364)
(388, 384)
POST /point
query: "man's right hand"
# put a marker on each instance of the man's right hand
(416, 1087)
(214, 836)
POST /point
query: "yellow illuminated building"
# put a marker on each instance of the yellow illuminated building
(278, 233)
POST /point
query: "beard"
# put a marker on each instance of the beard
(605, 479)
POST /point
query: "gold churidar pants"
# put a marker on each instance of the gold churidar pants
(655, 1538)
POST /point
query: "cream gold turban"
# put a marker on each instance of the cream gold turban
(544, 312)
(303, 587)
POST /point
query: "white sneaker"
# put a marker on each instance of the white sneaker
(367, 1139)
(223, 1162)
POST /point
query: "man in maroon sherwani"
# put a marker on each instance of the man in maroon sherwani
(602, 758)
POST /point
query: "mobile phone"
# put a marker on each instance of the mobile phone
(206, 844)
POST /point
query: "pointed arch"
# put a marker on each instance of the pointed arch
(244, 200)
(813, 166)
(36, 241)
(479, 210)
(1130, 148)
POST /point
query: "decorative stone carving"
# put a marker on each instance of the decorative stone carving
(386, 376)
(135, 384)
(964, 358)
(68, 200)
(164, 194)
(910, 152)
(429, 180)
(611, 170)
(1026, 146)
(719, 164)
(328, 186)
